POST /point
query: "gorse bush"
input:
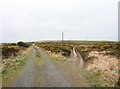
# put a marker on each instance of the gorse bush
(12, 49)
(112, 48)
(8, 51)
(64, 49)
(82, 47)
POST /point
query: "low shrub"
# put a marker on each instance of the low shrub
(9, 51)
(64, 49)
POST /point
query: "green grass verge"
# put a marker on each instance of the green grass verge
(14, 66)
(95, 78)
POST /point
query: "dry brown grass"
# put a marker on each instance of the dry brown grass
(106, 65)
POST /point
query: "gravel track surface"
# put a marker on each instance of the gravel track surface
(33, 76)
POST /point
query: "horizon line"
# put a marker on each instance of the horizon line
(61, 40)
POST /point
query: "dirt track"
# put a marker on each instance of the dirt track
(32, 76)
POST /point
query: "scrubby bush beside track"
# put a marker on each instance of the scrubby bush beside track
(110, 48)
(64, 49)
(8, 51)
(12, 49)
(83, 47)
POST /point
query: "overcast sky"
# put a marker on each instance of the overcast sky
(24, 20)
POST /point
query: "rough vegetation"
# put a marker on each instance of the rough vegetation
(14, 58)
(8, 51)
(101, 58)
(13, 49)
(64, 49)
(109, 48)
